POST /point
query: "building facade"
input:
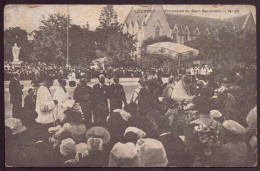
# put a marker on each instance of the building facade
(153, 21)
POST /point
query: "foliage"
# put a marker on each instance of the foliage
(117, 46)
(17, 35)
(82, 45)
(50, 42)
(229, 47)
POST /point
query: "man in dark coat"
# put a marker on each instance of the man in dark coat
(16, 93)
(100, 98)
(116, 95)
(30, 100)
(83, 95)
(29, 113)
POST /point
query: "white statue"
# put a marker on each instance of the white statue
(16, 52)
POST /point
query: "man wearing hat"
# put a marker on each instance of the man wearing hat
(19, 146)
(16, 93)
(116, 95)
(100, 99)
(83, 94)
(203, 106)
(233, 152)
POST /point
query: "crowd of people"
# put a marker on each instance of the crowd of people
(28, 71)
(195, 119)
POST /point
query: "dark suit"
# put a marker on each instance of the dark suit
(116, 96)
(100, 106)
(16, 93)
(84, 96)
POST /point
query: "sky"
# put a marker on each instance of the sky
(29, 18)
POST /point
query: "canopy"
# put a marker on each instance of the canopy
(100, 60)
(172, 50)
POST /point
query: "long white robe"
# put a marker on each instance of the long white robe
(61, 96)
(45, 107)
(179, 92)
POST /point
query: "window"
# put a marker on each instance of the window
(157, 31)
(174, 37)
(185, 37)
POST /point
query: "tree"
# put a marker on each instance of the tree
(228, 48)
(82, 47)
(117, 46)
(17, 35)
(50, 42)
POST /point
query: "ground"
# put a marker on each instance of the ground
(129, 84)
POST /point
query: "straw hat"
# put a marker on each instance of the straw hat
(140, 133)
(234, 127)
(82, 148)
(215, 114)
(152, 153)
(124, 155)
(251, 118)
(68, 147)
(15, 125)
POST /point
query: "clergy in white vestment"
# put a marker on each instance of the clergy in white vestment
(61, 95)
(45, 105)
(181, 90)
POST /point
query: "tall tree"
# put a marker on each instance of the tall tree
(110, 39)
(50, 42)
(82, 48)
(17, 35)
(230, 47)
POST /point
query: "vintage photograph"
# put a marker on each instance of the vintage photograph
(130, 85)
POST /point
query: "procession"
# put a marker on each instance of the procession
(166, 111)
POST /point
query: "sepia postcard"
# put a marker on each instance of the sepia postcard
(130, 85)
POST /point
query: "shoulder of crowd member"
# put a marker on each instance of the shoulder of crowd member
(95, 86)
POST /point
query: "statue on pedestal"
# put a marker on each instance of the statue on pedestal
(16, 52)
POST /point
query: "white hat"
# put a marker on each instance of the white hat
(68, 147)
(215, 114)
(82, 148)
(234, 127)
(15, 125)
(124, 155)
(140, 133)
(251, 119)
(152, 153)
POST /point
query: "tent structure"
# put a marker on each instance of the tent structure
(174, 51)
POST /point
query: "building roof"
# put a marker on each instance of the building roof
(236, 22)
(138, 15)
(192, 21)
(135, 16)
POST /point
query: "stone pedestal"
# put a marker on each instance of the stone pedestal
(16, 64)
